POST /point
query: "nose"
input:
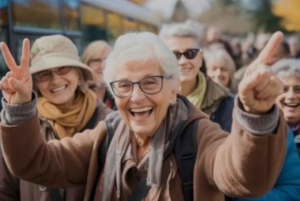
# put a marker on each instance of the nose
(182, 60)
(137, 94)
(55, 78)
(290, 94)
(218, 72)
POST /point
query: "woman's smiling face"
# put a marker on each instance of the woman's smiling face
(143, 112)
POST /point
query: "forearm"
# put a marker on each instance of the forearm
(56, 163)
(249, 161)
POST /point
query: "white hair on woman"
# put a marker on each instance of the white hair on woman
(187, 29)
(143, 46)
(287, 68)
(220, 54)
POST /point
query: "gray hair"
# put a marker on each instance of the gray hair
(187, 29)
(287, 68)
(220, 54)
(143, 46)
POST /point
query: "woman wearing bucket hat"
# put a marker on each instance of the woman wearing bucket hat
(65, 106)
(94, 56)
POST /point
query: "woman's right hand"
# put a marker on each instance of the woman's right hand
(16, 86)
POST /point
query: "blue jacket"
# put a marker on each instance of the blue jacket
(223, 115)
(287, 187)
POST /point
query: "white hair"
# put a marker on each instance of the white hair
(294, 40)
(287, 68)
(187, 29)
(220, 54)
(143, 46)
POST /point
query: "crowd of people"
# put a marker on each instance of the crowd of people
(175, 116)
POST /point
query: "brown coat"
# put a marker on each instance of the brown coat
(13, 189)
(239, 165)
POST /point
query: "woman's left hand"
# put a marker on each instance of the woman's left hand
(259, 87)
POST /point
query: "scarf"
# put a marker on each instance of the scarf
(121, 166)
(73, 119)
(197, 96)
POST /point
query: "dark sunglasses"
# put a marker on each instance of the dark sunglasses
(48, 74)
(189, 54)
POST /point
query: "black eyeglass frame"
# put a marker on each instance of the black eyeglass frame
(196, 50)
(162, 77)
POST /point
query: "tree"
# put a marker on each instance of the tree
(265, 19)
(289, 11)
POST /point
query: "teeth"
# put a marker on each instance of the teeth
(292, 104)
(186, 69)
(59, 88)
(144, 109)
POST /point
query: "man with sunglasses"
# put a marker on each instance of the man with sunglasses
(208, 96)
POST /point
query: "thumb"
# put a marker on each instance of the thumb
(18, 86)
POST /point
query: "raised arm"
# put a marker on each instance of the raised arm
(28, 156)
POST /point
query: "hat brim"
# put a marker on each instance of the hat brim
(55, 62)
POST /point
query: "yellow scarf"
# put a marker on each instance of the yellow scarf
(197, 96)
(74, 119)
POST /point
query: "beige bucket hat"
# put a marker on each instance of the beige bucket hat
(54, 51)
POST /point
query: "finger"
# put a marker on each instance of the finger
(5, 86)
(248, 83)
(265, 79)
(25, 54)
(10, 61)
(17, 86)
(269, 50)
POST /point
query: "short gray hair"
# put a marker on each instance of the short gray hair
(187, 29)
(143, 46)
(287, 68)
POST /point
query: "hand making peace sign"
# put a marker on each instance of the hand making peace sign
(16, 86)
(259, 87)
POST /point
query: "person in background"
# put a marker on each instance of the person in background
(144, 76)
(202, 91)
(94, 56)
(288, 70)
(294, 44)
(220, 67)
(65, 106)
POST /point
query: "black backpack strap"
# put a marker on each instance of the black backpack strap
(186, 152)
(55, 194)
(102, 151)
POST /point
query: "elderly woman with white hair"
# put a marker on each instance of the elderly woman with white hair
(145, 157)
(288, 70)
(202, 91)
(220, 67)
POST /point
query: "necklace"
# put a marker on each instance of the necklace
(143, 154)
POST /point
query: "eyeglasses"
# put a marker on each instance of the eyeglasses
(149, 85)
(47, 75)
(189, 54)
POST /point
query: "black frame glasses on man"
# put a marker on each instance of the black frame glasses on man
(149, 85)
(188, 54)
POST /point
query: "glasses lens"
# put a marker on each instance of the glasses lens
(151, 85)
(122, 88)
(191, 54)
(43, 76)
(177, 54)
(63, 70)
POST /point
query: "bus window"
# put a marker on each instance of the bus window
(93, 24)
(129, 25)
(36, 13)
(114, 26)
(3, 12)
(71, 12)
